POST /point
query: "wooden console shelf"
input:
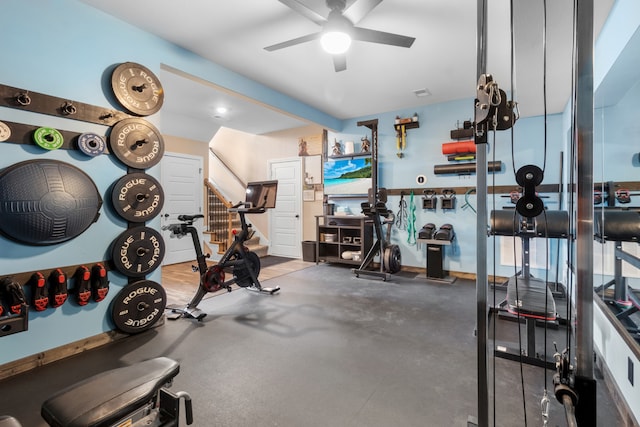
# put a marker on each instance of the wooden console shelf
(350, 233)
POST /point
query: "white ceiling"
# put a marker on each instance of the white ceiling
(378, 78)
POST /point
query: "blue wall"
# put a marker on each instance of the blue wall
(64, 48)
(424, 151)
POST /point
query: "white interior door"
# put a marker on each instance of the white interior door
(182, 183)
(285, 221)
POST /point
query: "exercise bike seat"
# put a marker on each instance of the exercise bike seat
(106, 398)
(189, 217)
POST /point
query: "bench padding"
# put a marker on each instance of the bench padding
(529, 298)
(550, 224)
(105, 398)
(617, 226)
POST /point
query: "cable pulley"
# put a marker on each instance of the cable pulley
(529, 205)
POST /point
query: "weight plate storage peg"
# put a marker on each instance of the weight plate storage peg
(137, 197)
(138, 306)
(137, 89)
(91, 144)
(137, 251)
(48, 138)
(136, 143)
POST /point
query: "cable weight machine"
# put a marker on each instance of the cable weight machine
(574, 383)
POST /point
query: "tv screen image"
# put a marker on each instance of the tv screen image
(347, 176)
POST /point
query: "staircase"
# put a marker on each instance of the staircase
(221, 222)
(254, 246)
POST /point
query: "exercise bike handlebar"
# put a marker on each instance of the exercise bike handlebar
(241, 207)
(189, 217)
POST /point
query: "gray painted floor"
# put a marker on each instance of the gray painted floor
(329, 350)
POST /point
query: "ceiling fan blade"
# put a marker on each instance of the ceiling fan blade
(366, 35)
(293, 42)
(360, 9)
(304, 11)
(340, 62)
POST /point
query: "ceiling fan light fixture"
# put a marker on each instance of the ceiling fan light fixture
(335, 42)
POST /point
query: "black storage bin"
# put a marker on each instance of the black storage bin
(309, 250)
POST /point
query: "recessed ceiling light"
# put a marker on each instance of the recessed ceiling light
(221, 110)
(422, 92)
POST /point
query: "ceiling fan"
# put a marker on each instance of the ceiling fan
(339, 26)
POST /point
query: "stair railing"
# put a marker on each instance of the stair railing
(227, 168)
(217, 209)
(219, 220)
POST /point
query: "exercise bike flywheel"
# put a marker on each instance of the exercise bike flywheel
(213, 279)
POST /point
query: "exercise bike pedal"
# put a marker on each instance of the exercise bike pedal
(269, 291)
(190, 313)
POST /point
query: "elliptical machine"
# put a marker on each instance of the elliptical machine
(390, 256)
(244, 264)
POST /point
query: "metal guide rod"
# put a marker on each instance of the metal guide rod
(481, 235)
(570, 411)
(584, 226)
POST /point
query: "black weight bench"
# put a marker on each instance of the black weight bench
(527, 297)
(114, 397)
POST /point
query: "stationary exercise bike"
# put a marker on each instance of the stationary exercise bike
(132, 396)
(243, 264)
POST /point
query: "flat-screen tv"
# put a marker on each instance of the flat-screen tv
(261, 194)
(347, 176)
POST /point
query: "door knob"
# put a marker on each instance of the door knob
(297, 216)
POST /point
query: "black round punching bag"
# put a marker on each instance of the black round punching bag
(44, 202)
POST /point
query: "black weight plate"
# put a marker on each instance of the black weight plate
(137, 251)
(136, 143)
(137, 89)
(137, 197)
(44, 202)
(241, 273)
(91, 144)
(393, 259)
(138, 306)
